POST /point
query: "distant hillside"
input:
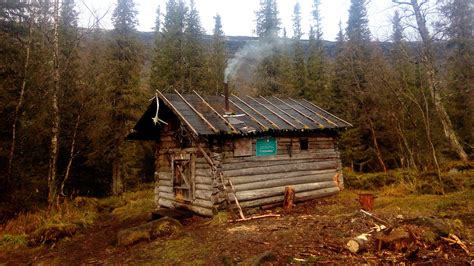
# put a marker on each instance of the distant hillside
(234, 43)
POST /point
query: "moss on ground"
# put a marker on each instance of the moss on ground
(184, 250)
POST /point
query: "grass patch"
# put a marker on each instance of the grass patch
(402, 182)
(133, 205)
(46, 226)
(220, 218)
(13, 241)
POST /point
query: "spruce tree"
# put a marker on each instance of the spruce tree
(317, 72)
(217, 58)
(179, 60)
(268, 22)
(299, 72)
(125, 66)
(459, 28)
(194, 53)
(273, 74)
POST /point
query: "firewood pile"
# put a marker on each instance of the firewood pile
(411, 239)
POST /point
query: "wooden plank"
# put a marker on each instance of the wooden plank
(271, 111)
(299, 112)
(257, 112)
(217, 113)
(316, 113)
(162, 97)
(263, 127)
(197, 112)
(283, 111)
(328, 113)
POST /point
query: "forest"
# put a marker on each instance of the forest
(69, 95)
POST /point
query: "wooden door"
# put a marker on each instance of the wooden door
(183, 166)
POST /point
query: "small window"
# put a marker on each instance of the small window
(304, 144)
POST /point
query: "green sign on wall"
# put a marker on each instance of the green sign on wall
(266, 147)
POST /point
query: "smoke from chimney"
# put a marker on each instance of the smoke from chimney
(252, 51)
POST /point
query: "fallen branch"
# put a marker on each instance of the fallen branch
(256, 217)
(376, 218)
(453, 239)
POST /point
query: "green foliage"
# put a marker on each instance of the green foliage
(179, 60)
(132, 205)
(217, 59)
(268, 22)
(409, 181)
(358, 24)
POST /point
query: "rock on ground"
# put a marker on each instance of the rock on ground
(151, 230)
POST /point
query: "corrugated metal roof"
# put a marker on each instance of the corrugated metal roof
(205, 115)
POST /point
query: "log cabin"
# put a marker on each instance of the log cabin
(213, 152)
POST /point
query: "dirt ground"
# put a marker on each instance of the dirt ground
(313, 232)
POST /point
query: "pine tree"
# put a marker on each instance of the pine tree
(125, 64)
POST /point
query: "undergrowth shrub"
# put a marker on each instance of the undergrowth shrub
(43, 225)
(135, 205)
(13, 241)
(409, 181)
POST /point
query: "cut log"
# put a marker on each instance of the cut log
(283, 167)
(289, 197)
(358, 243)
(173, 204)
(286, 181)
(238, 180)
(276, 191)
(313, 194)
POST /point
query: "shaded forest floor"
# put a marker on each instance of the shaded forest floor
(312, 232)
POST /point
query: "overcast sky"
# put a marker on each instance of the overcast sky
(238, 16)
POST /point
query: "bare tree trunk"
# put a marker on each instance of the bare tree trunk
(375, 142)
(117, 183)
(428, 61)
(22, 94)
(52, 186)
(71, 152)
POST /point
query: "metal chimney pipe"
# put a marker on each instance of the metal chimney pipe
(226, 96)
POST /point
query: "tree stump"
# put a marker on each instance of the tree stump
(289, 198)
(396, 240)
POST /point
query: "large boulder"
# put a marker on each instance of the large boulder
(151, 230)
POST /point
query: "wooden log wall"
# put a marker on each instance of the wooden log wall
(258, 181)
(201, 202)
